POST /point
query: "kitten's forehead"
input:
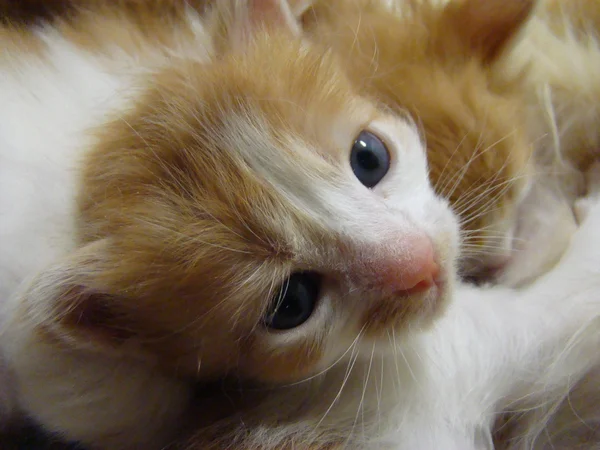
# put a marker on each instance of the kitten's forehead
(293, 125)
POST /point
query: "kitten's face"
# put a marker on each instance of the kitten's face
(253, 216)
(434, 64)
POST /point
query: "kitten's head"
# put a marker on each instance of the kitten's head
(250, 217)
(435, 62)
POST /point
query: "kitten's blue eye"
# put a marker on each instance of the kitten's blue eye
(295, 302)
(370, 159)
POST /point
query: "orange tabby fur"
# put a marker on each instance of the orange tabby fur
(478, 148)
(434, 63)
(184, 232)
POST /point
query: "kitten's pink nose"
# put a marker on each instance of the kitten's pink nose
(415, 273)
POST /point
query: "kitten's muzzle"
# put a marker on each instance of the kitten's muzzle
(407, 268)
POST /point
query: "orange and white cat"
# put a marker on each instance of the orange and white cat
(207, 228)
(169, 175)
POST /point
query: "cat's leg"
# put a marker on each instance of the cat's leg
(572, 417)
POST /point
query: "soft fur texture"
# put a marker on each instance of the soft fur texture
(435, 62)
(490, 82)
(169, 183)
(556, 64)
(495, 349)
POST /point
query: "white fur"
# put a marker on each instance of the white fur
(499, 349)
(45, 112)
(48, 112)
(495, 349)
(545, 226)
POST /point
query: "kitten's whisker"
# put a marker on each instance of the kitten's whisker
(491, 186)
(332, 365)
(461, 173)
(360, 408)
(503, 187)
(476, 155)
(441, 178)
(397, 383)
(483, 209)
(475, 186)
(350, 367)
(474, 191)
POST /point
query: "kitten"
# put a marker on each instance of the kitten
(478, 159)
(179, 187)
(480, 76)
(211, 204)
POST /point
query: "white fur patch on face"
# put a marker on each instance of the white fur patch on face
(332, 196)
(361, 226)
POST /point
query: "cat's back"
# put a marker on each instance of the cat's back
(59, 80)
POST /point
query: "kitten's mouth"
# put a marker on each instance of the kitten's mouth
(435, 281)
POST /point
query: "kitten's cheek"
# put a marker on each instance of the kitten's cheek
(282, 365)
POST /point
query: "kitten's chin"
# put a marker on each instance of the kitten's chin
(409, 312)
(384, 340)
(434, 301)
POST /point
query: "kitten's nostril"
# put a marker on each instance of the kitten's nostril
(421, 286)
(417, 272)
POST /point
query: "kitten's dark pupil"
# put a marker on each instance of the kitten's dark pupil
(369, 159)
(295, 302)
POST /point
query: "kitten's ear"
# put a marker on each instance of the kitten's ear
(237, 21)
(488, 26)
(73, 300)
